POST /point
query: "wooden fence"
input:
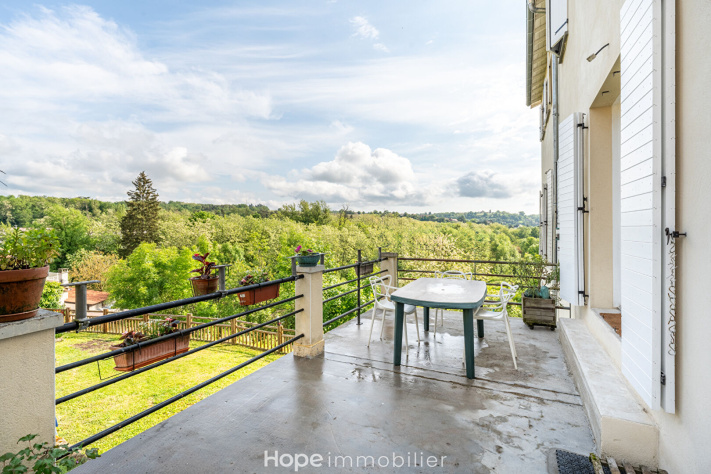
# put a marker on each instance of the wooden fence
(264, 338)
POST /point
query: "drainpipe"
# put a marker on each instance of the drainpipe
(533, 8)
(556, 149)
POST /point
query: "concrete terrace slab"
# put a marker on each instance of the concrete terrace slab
(353, 402)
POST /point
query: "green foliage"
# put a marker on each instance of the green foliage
(140, 223)
(72, 229)
(87, 265)
(31, 248)
(44, 458)
(306, 212)
(150, 275)
(253, 277)
(531, 274)
(51, 295)
(481, 217)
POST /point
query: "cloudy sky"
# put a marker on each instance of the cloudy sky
(398, 105)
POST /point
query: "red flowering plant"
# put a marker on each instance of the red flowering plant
(149, 330)
(255, 276)
(205, 269)
(302, 252)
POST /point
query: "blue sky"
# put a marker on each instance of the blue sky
(398, 105)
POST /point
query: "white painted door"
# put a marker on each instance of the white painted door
(570, 203)
(646, 154)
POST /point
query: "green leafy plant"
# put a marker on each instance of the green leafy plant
(255, 276)
(22, 249)
(44, 459)
(51, 295)
(531, 274)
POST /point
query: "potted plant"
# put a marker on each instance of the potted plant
(205, 283)
(257, 295)
(538, 307)
(150, 353)
(24, 264)
(306, 257)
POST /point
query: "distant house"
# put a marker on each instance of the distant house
(95, 300)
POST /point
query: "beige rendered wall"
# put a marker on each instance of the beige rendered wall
(27, 382)
(686, 435)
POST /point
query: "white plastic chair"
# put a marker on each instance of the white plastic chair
(498, 312)
(381, 296)
(454, 274)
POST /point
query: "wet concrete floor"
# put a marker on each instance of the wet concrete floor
(352, 410)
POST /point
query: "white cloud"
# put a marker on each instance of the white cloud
(357, 175)
(482, 184)
(363, 28)
(381, 47)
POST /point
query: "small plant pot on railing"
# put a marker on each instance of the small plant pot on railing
(308, 260)
(150, 353)
(20, 293)
(539, 312)
(202, 286)
(365, 269)
(259, 295)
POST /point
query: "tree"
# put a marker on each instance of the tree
(72, 228)
(140, 223)
(150, 275)
(90, 265)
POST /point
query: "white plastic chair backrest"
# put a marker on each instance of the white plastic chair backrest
(506, 292)
(452, 274)
(379, 291)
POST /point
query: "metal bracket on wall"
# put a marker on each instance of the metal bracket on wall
(673, 234)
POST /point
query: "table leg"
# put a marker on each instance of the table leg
(426, 312)
(399, 322)
(468, 315)
(480, 327)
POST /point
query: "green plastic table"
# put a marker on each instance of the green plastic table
(445, 293)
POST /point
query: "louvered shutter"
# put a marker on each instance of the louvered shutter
(570, 204)
(646, 149)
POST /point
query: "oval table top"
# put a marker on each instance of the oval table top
(447, 293)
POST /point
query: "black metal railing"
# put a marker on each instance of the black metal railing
(358, 266)
(78, 325)
(474, 266)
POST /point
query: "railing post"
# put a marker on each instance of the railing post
(280, 336)
(27, 374)
(80, 307)
(233, 327)
(309, 322)
(358, 275)
(390, 264)
(105, 326)
(189, 324)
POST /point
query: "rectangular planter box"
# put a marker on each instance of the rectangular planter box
(365, 269)
(539, 312)
(150, 353)
(259, 295)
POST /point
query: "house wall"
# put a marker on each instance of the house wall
(684, 436)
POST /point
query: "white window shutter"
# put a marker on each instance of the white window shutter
(647, 155)
(570, 205)
(542, 232)
(557, 20)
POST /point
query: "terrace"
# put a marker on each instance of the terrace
(337, 398)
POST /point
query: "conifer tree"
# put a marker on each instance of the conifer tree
(140, 223)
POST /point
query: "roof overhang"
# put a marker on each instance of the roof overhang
(536, 55)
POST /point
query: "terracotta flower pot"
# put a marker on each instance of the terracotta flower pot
(204, 287)
(259, 295)
(150, 353)
(20, 293)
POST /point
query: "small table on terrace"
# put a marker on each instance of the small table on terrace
(444, 293)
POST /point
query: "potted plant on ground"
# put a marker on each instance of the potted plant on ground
(257, 295)
(24, 264)
(538, 307)
(205, 283)
(150, 353)
(306, 257)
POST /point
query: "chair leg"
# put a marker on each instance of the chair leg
(417, 327)
(437, 310)
(382, 323)
(372, 323)
(511, 343)
(404, 329)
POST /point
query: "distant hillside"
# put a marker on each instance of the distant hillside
(481, 217)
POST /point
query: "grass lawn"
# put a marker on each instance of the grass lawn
(86, 415)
